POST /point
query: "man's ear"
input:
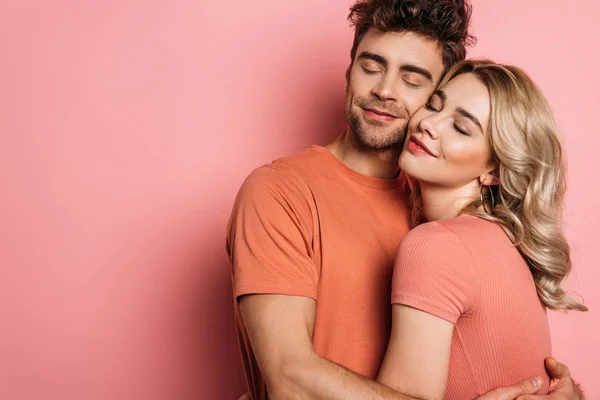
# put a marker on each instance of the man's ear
(490, 178)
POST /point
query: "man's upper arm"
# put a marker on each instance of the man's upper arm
(280, 329)
(275, 278)
(269, 237)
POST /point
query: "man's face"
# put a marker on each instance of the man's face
(392, 76)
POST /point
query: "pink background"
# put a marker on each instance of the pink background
(126, 129)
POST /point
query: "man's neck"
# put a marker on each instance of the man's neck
(381, 164)
(444, 203)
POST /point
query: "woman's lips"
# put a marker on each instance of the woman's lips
(416, 146)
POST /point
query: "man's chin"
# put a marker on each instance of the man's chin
(380, 141)
(381, 138)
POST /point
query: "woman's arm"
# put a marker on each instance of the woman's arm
(434, 283)
(418, 355)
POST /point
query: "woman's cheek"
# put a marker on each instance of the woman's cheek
(464, 154)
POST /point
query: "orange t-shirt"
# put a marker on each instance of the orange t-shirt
(466, 271)
(308, 225)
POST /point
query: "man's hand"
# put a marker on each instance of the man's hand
(528, 386)
(562, 386)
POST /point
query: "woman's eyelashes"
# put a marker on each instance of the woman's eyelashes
(435, 104)
(456, 127)
(431, 108)
(460, 130)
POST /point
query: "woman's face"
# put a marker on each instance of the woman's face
(447, 142)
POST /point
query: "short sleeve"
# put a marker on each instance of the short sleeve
(269, 237)
(434, 272)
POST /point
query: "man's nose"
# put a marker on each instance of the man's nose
(386, 88)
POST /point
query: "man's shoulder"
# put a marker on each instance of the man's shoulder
(298, 168)
(292, 174)
(311, 159)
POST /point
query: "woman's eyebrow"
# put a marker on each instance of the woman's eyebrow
(467, 114)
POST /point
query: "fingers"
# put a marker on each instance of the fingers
(527, 386)
(556, 370)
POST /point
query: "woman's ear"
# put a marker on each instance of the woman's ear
(490, 178)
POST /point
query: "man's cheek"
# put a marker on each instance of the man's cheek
(414, 104)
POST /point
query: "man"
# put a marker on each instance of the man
(312, 237)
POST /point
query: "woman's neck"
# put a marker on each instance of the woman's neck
(441, 202)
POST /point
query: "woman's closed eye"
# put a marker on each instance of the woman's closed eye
(435, 103)
(430, 107)
(460, 130)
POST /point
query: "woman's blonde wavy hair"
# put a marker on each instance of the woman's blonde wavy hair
(530, 165)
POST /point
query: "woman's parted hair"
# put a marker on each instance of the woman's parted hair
(530, 164)
(446, 21)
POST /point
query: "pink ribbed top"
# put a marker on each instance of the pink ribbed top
(466, 270)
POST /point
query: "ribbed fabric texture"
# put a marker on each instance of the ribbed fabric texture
(466, 270)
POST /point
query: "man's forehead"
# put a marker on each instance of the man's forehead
(404, 47)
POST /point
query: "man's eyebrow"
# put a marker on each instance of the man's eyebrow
(375, 57)
(417, 70)
(467, 114)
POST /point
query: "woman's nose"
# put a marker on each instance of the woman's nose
(429, 126)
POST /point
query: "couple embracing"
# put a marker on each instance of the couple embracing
(416, 255)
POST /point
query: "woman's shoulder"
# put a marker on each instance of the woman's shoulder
(431, 234)
(455, 231)
(434, 249)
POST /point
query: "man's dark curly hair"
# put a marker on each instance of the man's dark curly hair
(446, 21)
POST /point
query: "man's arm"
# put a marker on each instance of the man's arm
(280, 329)
(562, 387)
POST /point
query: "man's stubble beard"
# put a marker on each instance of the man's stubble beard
(366, 136)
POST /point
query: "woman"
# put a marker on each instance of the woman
(471, 286)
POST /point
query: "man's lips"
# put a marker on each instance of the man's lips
(379, 115)
(419, 145)
(380, 112)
